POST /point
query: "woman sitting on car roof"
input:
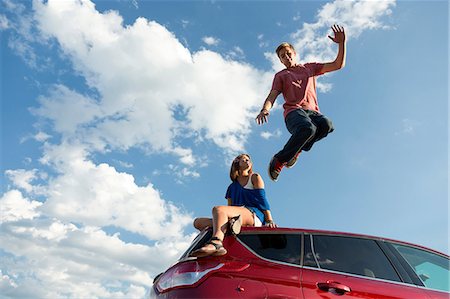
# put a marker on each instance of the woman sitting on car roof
(247, 205)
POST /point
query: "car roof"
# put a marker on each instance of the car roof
(249, 229)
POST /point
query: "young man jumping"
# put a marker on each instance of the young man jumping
(297, 83)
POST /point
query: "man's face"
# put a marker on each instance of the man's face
(287, 57)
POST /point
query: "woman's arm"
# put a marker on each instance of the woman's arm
(257, 181)
(268, 219)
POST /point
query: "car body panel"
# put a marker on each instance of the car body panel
(433, 294)
(360, 287)
(246, 274)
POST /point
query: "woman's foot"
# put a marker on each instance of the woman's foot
(213, 247)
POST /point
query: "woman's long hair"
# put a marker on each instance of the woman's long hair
(234, 170)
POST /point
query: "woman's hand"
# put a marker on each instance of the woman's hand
(270, 223)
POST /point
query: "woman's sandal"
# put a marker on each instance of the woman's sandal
(235, 224)
(217, 251)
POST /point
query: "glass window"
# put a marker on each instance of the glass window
(198, 242)
(433, 269)
(308, 257)
(278, 247)
(353, 255)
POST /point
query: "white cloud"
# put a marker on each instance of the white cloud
(124, 164)
(262, 43)
(53, 259)
(4, 23)
(181, 173)
(236, 53)
(47, 256)
(39, 136)
(22, 49)
(22, 178)
(324, 86)
(15, 207)
(141, 72)
(42, 136)
(21, 24)
(311, 42)
(210, 40)
(186, 156)
(98, 195)
(357, 15)
(267, 135)
(67, 109)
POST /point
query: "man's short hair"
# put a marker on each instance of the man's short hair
(283, 45)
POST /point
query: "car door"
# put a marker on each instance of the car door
(275, 267)
(432, 268)
(351, 267)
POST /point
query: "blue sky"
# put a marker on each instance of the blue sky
(120, 118)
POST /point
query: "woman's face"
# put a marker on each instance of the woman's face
(245, 162)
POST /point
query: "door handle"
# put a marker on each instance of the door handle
(333, 287)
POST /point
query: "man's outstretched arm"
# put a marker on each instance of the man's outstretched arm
(339, 62)
(263, 116)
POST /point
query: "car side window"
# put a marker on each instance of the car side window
(277, 247)
(308, 256)
(432, 269)
(353, 255)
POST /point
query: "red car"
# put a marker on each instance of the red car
(297, 263)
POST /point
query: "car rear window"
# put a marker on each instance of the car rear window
(353, 255)
(277, 247)
(197, 243)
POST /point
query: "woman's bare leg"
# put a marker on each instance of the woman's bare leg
(221, 215)
(202, 223)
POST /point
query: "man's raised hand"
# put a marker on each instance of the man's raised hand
(339, 34)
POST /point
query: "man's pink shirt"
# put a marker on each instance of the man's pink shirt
(298, 86)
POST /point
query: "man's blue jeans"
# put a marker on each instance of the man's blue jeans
(306, 127)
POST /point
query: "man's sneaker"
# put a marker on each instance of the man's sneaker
(292, 162)
(275, 168)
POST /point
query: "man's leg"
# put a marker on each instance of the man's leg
(302, 129)
(300, 125)
(324, 126)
